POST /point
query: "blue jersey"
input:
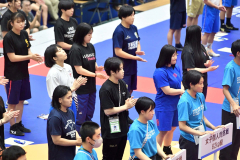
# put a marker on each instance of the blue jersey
(137, 134)
(190, 110)
(83, 154)
(167, 76)
(231, 78)
(126, 39)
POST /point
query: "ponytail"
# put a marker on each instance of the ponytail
(14, 16)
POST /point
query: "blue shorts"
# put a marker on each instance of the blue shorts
(229, 3)
(18, 90)
(210, 20)
(166, 120)
(178, 20)
(131, 81)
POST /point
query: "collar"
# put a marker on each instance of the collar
(56, 66)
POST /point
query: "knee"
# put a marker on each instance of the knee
(44, 7)
(35, 30)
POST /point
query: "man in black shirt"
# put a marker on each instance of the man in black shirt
(65, 26)
(14, 5)
(115, 100)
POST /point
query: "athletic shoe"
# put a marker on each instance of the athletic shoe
(22, 128)
(211, 53)
(210, 57)
(223, 28)
(15, 130)
(231, 27)
(179, 47)
(25, 102)
(167, 150)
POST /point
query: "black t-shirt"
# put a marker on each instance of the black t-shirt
(177, 6)
(64, 32)
(7, 16)
(63, 124)
(85, 57)
(2, 144)
(18, 44)
(188, 61)
(109, 98)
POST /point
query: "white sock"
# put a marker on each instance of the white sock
(209, 46)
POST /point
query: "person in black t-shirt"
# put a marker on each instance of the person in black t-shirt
(115, 100)
(17, 54)
(194, 55)
(14, 5)
(177, 22)
(61, 129)
(83, 62)
(65, 26)
(4, 118)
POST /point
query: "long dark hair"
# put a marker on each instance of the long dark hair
(81, 31)
(193, 40)
(165, 56)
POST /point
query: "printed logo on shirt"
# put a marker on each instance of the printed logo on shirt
(135, 33)
(123, 93)
(150, 134)
(175, 75)
(90, 56)
(27, 42)
(128, 37)
(197, 111)
(238, 79)
(132, 45)
(70, 33)
(70, 125)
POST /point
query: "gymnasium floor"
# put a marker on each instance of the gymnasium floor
(153, 26)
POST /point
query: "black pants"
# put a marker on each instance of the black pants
(205, 90)
(152, 158)
(113, 149)
(191, 148)
(230, 152)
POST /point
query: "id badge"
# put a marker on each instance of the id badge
(114, 124)
(201, 129)
(236, 100)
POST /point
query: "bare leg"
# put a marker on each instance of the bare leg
(177, 35)
(211, 38)
(161, 137)
(44, 14)
(189, 21)
(229, 11)
(168, 137)
(195, 20)
(20, 108)
(170, 36)
(205, 38)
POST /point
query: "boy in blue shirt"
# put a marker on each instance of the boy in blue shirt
(231, 87)
(190, 113)
(143, 132)
(91, 138)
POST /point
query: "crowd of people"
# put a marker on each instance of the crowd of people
(71, 85)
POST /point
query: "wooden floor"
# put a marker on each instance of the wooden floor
(151, 5)
(40, 152)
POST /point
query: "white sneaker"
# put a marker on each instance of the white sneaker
(211, 53)
(25, 102)
(210, 57)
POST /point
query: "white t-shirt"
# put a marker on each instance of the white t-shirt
(58, 75)
(216, 2)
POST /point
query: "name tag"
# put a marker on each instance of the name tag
(114, 124)
(236, 100)
(201, 129)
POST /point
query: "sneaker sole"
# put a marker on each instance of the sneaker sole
(223, 30)
(17, 135)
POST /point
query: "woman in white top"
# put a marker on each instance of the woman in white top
(60, 73)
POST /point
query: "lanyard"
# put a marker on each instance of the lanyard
(202, 110)
(238, 92)
(119, 93)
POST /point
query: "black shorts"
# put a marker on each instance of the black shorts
(178, 20)
(191, 148)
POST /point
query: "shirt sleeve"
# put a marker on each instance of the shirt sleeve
(118, 39)
(55, 126)
(31, 15)
(8, 44)
(137, 33)
(58, 32)
(27, 37)
(27, 25)
(183, 112)
(161, 79)
(228, 77)
(4, 23)
(75, 58)
(105, 100)
(135, 139)
(52, 83)
(187, 59)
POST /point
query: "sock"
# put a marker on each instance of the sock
(222, 22)
(228, 21)
(209, 46)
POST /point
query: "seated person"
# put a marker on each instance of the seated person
(141, 147)
(35, 4)
(34, 22)
(14, 153)
(91, 138)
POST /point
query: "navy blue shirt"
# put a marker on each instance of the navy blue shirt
(63, 124)
(127, 39)
(177, 6)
